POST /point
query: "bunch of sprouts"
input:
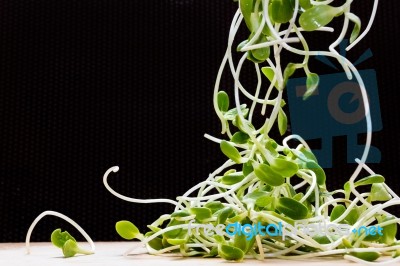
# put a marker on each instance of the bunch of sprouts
(264, 181)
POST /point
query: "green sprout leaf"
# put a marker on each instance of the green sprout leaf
(223, 101)
(319, 172)
(230, 151)
(289, 71)
(71, 248)
(281, 11)
(260, 54)
(379, 192)
(247, 168)
(58, 238)
(282, 122)
(357, 26)
(266, 201)
(337, 211)
(269, 176)
(239, 241)
(240, 137)
(201, 213)
(246, 7)
(270, 74)
(306, 4)
(224, 214)
(292, 208)
(128, 230)
(230, 253)
(318, 16)
(367, 256)
(311, 84)
(232, 113)
(214, 206)
(389, 232)
(284, 167)
(369, 180)
(232, 179)
(155, 243)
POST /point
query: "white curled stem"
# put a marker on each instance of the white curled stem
(129, 199)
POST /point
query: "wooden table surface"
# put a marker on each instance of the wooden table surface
(111, 253)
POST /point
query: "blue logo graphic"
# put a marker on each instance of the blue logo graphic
(335, 109)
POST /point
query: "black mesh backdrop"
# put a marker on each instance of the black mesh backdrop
(86, 85)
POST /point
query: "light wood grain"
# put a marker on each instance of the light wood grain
(110, 253)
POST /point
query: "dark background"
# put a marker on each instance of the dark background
(89, 84)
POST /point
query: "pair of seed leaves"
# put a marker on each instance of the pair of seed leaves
(67, 243)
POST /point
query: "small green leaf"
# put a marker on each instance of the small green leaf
(306, 4)
(223, 101)
(247, 168)
(319, 172)
(379, 192)
(156, 243)
(396, 253)
(322, 239)
(352, 217)
(311, 84)
(281, 11)
(367, 256)
(127, 230)
(357, 26)
(266, 202)
(232, 179)
(240, 241)
(246, 7)
(232, 113)
(214, 206)
(238, 122)
(224, 214)
(176, 241)
(230, 253)
(289, 71)
(337, 211)
(183, 213)
(389, 232)
(176, 232)
(213, 253)
(292, 208)
(241, 45)
(230, 151)
(71, 248)
(240, 137)
(282, 122)
(298, 196)
(269, 176)
(255, 195)
(270, 74)
(59, 238)
(308, 155)
(201, 213)
(284, 167)
(369, 180)
(318, 16)
(261, 54)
